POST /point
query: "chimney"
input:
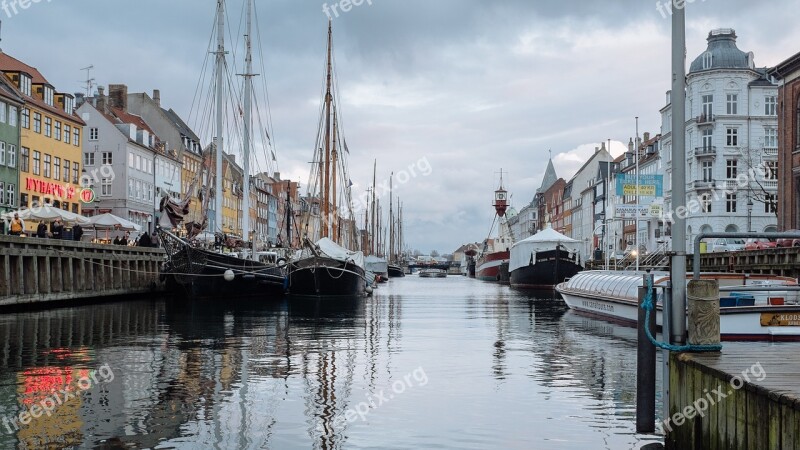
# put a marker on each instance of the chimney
(630, 145)
(646, 136)
(100, 101)
(118, 96)
(157, 97)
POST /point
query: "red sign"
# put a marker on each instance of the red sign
(87, 195)
(47, 188)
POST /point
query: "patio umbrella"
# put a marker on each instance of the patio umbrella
(47, 213)
(109, 221)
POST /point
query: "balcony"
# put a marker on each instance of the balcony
(703, 185)
(705, 120)
(770, 151)
(707, 150)
(770, 184)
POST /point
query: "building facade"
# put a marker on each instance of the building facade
(788, 76)
(731, 141)
(50, 147)
(11, 103)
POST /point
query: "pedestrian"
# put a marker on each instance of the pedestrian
(124, 240)
(117, 241)
(56, 229)
(17, 226)
(144, 240)
(41, 230)
(77, 232)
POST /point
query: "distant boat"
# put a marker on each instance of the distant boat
(377, 266)
(496, 250)
(396, 271)
(432, 273)
(544, 260)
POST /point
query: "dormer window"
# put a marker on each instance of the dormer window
(48, 95)
(25, 84)
(708, 60)
(69, 104)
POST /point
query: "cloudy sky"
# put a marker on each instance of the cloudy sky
(466, 86)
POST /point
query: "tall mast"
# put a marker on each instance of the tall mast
(391, 219)
(373, 235)
(248, 93)
(288, 214)
(328, 99)
(334, 161)
(219, 139)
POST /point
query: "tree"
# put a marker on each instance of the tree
(435, 254)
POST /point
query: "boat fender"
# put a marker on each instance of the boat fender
(369, 290)
(229, 275)
(281, 262)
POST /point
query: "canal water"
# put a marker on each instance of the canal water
(425, 363)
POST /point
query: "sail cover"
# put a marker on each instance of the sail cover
(524, 252)
(376, 264)
(334, 250)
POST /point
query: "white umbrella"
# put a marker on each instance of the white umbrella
(110, 221)
(46, 213)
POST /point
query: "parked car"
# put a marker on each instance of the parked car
(789, 242)
(725, 245)
(759, 244)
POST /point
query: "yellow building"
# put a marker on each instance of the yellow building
(50, 155)
(232, 176)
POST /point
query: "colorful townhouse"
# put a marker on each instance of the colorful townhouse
(11, 103)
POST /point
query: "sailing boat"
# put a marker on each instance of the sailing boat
(326, 267)
(200, 272)
(395, 245)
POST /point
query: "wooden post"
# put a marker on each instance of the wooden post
(646, 367)
(703, 298)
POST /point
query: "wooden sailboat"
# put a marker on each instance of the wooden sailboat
(327, 268)
(199, 272)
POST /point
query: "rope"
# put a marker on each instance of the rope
(647, 305)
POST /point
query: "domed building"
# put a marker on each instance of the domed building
(731, 141)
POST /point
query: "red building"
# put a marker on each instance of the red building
(788, 109)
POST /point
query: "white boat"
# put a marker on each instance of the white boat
(433, 273)
(745, 314)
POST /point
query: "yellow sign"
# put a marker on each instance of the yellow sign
(644, 191)
(780, 319)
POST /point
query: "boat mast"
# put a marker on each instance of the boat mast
(391, 219)
(372, 237)
(328, 100)
(334, 202)
(288, 214)
(219, 138)
(248, 93)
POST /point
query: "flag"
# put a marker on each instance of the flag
(345, 146)
(273, 156)
(349, 183)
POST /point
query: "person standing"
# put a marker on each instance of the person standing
(124, 240)
(17, 226)
(77, 232)
(57, 229)
(144, 240)
(41, 230)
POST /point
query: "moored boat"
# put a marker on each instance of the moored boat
(745, 313)
(544, 260)
(432, 273)
(496, 251)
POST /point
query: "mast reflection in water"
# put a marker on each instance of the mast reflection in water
(448, 363)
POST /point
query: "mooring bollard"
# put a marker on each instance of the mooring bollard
(646, 367)
(703, 306)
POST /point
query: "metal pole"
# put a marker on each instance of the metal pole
(678, 263)
(219, 144)
(248, 93)
(646, 367)
(636, 149)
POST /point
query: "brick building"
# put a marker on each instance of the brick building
(788, 75)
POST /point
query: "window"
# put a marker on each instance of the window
(771, 170)
(48, 95)
(131, 188)
(65, 176)
(771, 137)
(23, 200)
(708, 139)
(46, 165)
(88, 159)
(733, 104)
(131, 160)
(76, 136)
(732, 169)
(138, 162)
(770, 203)
(3, 109)
(771, 105)
(2, 192)
(24, 159)
(107, 158)
(11, 194)
(58, 131)
(37, 123)
(67, 133)
(732, 135)
(93, 134)
(37, 163)
(105, 187)
(2, 153)
(75, 208)
(56, 167)
(25, 84)
(11, 155)
(730, 203)
(708, 106)
(708, 60)
(75, 173)
(26, 118)
(48, 126)
(12, 116)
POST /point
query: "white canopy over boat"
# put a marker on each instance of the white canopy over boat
(376, 264)
(523, 252)
(334, 250)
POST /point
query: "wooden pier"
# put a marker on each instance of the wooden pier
(34, 270)
(748, 395)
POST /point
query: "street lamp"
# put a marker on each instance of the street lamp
(749, 214)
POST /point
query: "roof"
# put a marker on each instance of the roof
(786, 67)
(10, 92)
(180, 124)
(724, 53)
(11, 64)
(549, 178)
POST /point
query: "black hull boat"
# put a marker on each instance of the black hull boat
(549, 270)
(321, 276)
(396, 271)
(198, 273)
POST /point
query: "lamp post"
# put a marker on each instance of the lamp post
(749, 213)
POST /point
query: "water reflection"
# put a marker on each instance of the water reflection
(501, 368)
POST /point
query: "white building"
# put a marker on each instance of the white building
(583, 219)
(731, 134)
